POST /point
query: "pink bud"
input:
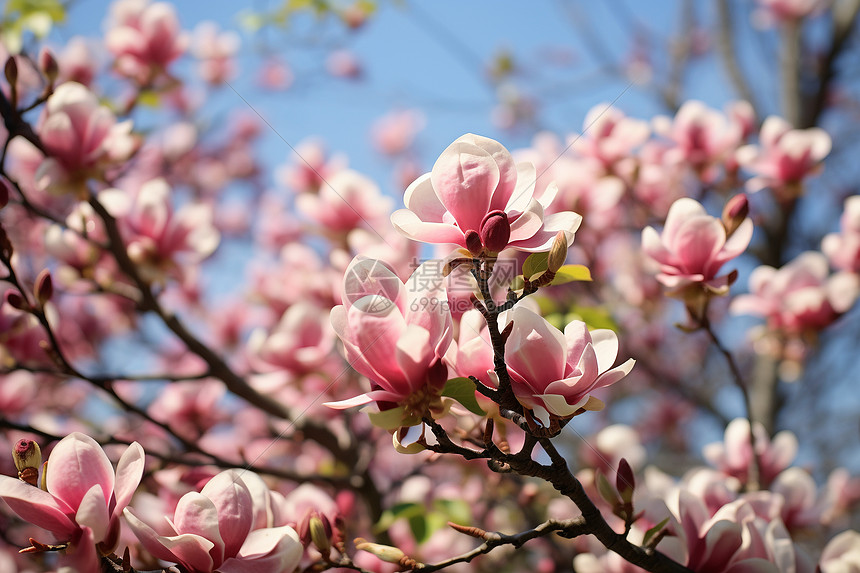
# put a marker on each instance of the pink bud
(558, 252)
(473, 242)
(44, 288)
(495, 231)
(48, 65)
(624, 481)
(17, 301)
(11, 70)
(736, 210)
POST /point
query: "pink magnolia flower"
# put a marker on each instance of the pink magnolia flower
(733, 456)
(84, 496)
(345, 201)
(693, 246)
(159, 237)
(842, 554)
(212, 530)
(301, 341)
(478, 198)
(799, 296)
(395, 335)
(793, 9)
(144, 38)
(843, 248)
(82, 139)
(557, 372)
(312, 167)
(78, 62)
(344, 64)
(784, 157)
(216, 51)
(609, 136)
(395, 132)
(703, 137)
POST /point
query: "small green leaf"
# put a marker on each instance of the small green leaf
(517, 283)
(594, 316)
(405, 510)
(535, 263)
(463, 391)
(607, 492)
(570, 273)
(387, 419)
(420, 531)
(456, 510)
(654, 531)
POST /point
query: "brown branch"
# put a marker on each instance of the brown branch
(725, 45)
(844, 18)
(568, 528)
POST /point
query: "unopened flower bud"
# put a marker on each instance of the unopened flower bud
(11, 70)
(557, 253)
(320, 531)
(44, 288)
(473, 242)
(48, 65)
(27, 454)
(736, 210)
(27, 457)
(495, 231)
(17, 301)
(624, 481)
(385, 552)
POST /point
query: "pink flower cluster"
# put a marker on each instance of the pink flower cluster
(694, 246)
(82, 139)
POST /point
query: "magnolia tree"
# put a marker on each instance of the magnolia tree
(517, 370)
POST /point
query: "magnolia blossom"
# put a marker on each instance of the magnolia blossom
(793, 9)
(843, 248)
(144, 38)
(346, 200)
(609, 136)
(842, 554)
(394, 334)
(704, 138)
(302, 341)
(81, 138)
(213, 530)
(734, 455)
(215, 50)
(785, 156)
(557, 372)
(159, 237)
(800, 296)
(84, 497)
(395, 132)
(477, 197)
(693, 246)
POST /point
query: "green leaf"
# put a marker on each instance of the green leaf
(420, 531)
(517, 283)
(570, 273)
(456, 510)
(405, 510)
(594, 316)
(463, 391)
(387, 419)
(535, 263)
(654, 531)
